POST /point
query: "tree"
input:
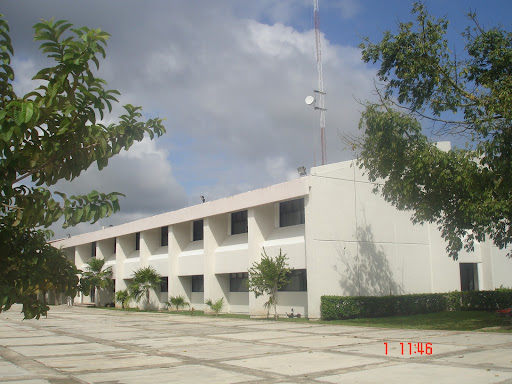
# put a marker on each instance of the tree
(178, 302)
(144, 280)
(466, 192)
(216, 306)
(123, 297)
(55, 132)
(30, 266)
(96, 277)
(267, 277)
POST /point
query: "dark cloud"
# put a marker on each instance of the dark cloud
(231, 87)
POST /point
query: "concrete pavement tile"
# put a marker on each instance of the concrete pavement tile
(420, 374)
(304, 362)
(66, 349)
(186, 374)
(123, 335)
(473, 338)
(406, 335)
(395, 350)
(166, 342)
(336, 329)
(103, 362)
(40, 340)
(27, 334)
(35, 381)
(267, 324)
(318, 341)
(258, 335)
(226, 350)
(8, 369)
(496, 357)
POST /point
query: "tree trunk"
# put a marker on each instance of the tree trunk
(97, 297)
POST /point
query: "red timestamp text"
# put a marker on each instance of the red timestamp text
(413, 348)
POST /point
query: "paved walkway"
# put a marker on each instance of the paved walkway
(86, 345)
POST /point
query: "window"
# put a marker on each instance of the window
(197, 230)
(115, 245)
(298, 281)
(238, 222)
(164, 285)
(291, 213)
(198, 283)
(468, 277)
(93, 249)
(238, 282)
(164, 237)
(137, 241)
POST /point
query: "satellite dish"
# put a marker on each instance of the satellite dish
(310, 100)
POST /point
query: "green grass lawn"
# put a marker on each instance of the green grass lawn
(453, 321)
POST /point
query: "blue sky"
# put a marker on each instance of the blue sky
(230, 77)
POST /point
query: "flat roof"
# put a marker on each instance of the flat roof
(277, 192)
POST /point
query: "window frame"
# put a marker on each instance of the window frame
(195, 287)
(299, 277)
(137, 241)
(164, 236)
(241, 225)
(291, 216)
(164, 284)
(238, 283)
(196, 226)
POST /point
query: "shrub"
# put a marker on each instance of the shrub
(339, 307)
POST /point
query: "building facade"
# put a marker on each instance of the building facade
(340, 239)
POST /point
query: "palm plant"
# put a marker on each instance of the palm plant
(215, 306)
(96, 277)
(178, 301)
(144, 280)
(123, 297)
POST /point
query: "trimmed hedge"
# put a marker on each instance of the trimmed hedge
(349, 307)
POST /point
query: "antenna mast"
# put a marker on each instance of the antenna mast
(320, 91)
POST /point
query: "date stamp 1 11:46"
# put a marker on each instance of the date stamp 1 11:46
(412, 349)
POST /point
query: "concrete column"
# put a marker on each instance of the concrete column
(215, 232)
(261, 223)
(179, 237)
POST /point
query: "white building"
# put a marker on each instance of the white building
(340, 239)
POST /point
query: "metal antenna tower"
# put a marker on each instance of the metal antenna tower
(320, 91)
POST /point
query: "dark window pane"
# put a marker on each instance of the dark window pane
(298, 281)
(164, 285)
(137, 241)
(198, 283)
(238, 222)
(115, 245)
(468, 277)
(197, 230)
(164, 236)
(238, 282)
(93, 249)
(291, 213)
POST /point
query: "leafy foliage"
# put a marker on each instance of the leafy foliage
(53, 133)
(144, 280)
(123, 296)
(30, 266)
(347, 307)
(267, 277)
(178, 302)
(97, 277)
(216, 306)
(467, 192)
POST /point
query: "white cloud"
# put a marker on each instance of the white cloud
(231, 83)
